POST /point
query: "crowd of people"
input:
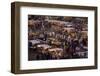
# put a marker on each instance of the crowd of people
(57, 37)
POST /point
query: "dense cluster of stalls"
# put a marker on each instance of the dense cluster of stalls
(55, 39)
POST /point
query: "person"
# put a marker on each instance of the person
(29, 44)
